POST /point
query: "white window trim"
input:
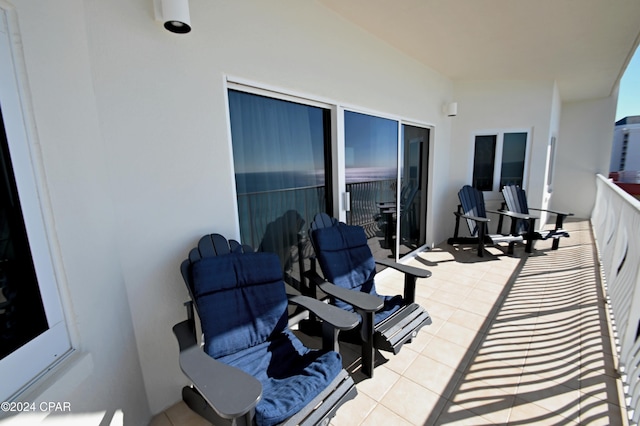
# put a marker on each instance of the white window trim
(32, 361)
(495, 193)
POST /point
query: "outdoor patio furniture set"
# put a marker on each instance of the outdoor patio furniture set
(252, 369)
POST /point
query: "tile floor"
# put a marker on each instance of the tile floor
(515, 340)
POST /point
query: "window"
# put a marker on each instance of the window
(499, 160)
(484, 162)
(33, 333)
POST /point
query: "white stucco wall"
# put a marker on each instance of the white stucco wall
(584, 149)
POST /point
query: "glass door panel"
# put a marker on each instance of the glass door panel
(371, 176)
(414, 154)
(279, 160)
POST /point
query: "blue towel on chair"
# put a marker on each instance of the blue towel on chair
(242, 303)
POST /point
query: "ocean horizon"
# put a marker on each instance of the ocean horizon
(252, 182)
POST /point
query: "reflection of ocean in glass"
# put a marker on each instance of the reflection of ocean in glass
(282, 201)
(369, 174)
(247, 183)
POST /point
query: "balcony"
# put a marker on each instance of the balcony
(515, 339)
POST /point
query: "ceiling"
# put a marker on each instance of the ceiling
(583, 45)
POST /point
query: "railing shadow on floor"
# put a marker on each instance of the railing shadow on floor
(545, 343)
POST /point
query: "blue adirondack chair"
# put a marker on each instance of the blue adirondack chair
(516, 201)
(349, 269)
(472, 210)
(253, 369)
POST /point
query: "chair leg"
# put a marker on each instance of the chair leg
(556, 241)
(512, 231)
(530, 236)
(368, 350)
(457, 227)
(481, 233)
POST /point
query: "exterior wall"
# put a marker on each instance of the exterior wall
(135, 142)
(496, 105)
(584, 149)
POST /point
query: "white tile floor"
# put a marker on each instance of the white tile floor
(515, 340)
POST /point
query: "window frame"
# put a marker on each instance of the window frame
(30, 362)
(495, 193)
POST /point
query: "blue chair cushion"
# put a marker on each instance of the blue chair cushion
(243, 311)
(346, 261)
(241, 300)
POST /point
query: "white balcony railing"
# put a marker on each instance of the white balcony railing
(616, 224)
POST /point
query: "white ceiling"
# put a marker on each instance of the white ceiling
(584, 45)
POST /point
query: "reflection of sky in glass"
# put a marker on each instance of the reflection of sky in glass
(371, 147)
(271, 135)
(276, 144)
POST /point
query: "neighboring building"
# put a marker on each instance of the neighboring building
(625, 154)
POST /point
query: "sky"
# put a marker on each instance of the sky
(629, 94)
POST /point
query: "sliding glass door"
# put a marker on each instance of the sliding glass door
(414, 154)
(371, 176)
(386, 179)
(284, 171)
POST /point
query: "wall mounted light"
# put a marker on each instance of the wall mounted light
(174, 14)
(451, 109)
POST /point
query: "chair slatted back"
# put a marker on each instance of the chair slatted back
(516, 200)
(209, 246)
(344, 256)
(472, 203)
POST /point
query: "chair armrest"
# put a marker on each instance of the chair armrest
(552, 212)
(338, 318)
(364, 301)
(512, 214)
(406, 269)
(475, 218)
(229, 391)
